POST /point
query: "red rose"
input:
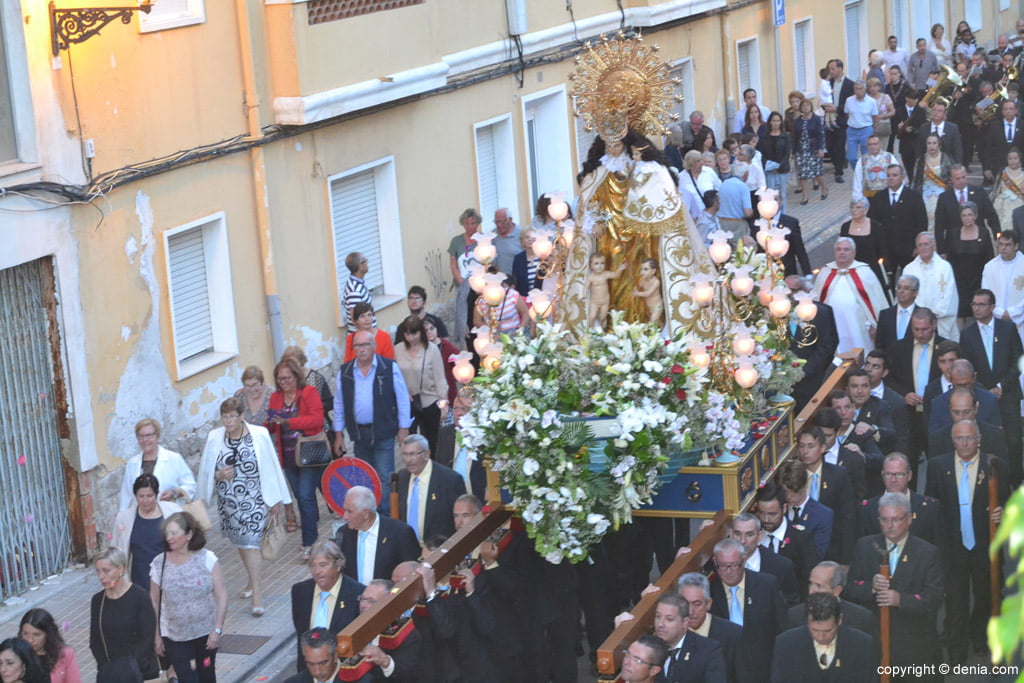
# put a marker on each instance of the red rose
(666, 380)
(680, 394)
(678, 369)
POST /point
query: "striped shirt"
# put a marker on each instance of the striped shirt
(355, 292)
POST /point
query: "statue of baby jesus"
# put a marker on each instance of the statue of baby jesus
(599, 294)
(649, 289)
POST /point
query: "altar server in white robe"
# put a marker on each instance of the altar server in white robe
(938, 286)
(854, 294)
(1004, 275)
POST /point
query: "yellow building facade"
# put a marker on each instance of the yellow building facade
(229, 154)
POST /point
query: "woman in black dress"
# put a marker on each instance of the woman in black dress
(969, 251)
(866, 234)
(122, 622)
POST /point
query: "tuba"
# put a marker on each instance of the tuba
(943, 89)
(982, 116)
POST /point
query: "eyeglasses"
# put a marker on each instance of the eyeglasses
(626, 654)
(147, 435)
(895, 475)
(363, 345)
(728, 565)
(414, 454)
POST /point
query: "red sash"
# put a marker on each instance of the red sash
(857, 283)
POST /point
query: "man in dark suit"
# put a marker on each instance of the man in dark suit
(948, 132)
(849, 457)
(318, 661)
(1018, 220)
(960, 482)
(692, 657)
(427, 490)
(948, 352)
(896, 477)
(1003, 134)
(397, 662)
(695, 589)
(386, 541)
(907, 120)
(901, 212)
(835, 139)
(830, 486)
(947, 208)
(797, 253)
(823, 649)
(751, 600)
(914, 590)
(961, 374)
(877, 366)
(451, 454)
(829, 578)
(994, 348)
(746, 528)
(894, 322)
(329, 599)
(783, 537)
(910, 379)
(964, 406)
(817, 519)
(872, 420)
(818, 349)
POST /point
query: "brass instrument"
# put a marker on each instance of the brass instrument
(943, 89)
(982, 116)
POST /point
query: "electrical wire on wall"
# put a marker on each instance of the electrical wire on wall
(572, 18)
(521, 63)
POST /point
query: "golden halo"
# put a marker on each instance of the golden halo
(622, 78)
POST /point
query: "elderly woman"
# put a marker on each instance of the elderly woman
(137, 529)
(192, 612)
(167, 466)
(295, 407)
(525, 265)
(969, 249)
(866, 234)
(19, 664)
(423, 371)
(122, 622)
(40, 631)
(462, 263)
(886, 110)
(809, 145)
(694, 181)
(241, 465)
(362, 313)
(674, 147)
(255, 395)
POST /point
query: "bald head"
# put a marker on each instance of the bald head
(961, 373)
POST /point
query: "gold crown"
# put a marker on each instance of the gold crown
(620, 83)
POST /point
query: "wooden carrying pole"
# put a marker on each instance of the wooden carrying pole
(884, 626)
(995, 583)
(354, 637)
(393, 496)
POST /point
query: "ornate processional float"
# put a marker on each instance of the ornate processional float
(656, 381)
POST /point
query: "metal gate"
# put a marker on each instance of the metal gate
(34, 529)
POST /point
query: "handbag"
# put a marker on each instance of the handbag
(197, 508)
(274, 536)
(312, 451)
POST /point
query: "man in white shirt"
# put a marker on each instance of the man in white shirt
(937, 289)
(894, 56)
(749, 100)
(862, 115)
(1004, 275)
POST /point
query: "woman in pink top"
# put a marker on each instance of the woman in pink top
(39, 630)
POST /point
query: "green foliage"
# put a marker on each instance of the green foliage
(1006, 631)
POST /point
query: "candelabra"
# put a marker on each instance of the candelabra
(551, 247)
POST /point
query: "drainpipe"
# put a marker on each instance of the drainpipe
(259, 180)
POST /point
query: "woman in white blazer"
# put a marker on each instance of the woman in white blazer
(240, 464)
(176, 479)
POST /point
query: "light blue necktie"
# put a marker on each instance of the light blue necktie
(814, 486)
(986, 338)
(901, 326)
(735, 608)
(894, 558)
(461, 465)
(322, 619)
(966, 523)
(414, 506)
(922, 370)
(792, 328)
(365, 573)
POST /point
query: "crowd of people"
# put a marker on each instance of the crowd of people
(927, 279)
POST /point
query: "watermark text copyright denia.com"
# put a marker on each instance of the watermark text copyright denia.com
(919, 670)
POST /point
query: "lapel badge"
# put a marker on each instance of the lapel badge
(904, 557)
(433, 496)
(914, 516)
(749, 601)
(981, 476)
(384, 540)
(341, 604)
(687, 657)
(838, 663)
(824, 484)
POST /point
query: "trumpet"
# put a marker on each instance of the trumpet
(983, 116)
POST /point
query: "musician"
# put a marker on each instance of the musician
(960, 481)
(909, 118)
(823, 649)
(913, 592)
(1003, 135)
(896, 478)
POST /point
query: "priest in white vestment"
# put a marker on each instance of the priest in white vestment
(1004, 275)
(855, 295)
(938, 285)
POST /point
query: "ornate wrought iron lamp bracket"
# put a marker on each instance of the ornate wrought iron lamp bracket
(69, 26)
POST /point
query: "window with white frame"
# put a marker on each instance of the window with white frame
(972, 14)
(925, 14)
(172, 14)
(364, 217)
(856, 35)
(803, 57)
(748, 67)
(683, 70)
(1004, 5)
(584, 139)
(495, 165)
(199, 287)
(17, 119)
